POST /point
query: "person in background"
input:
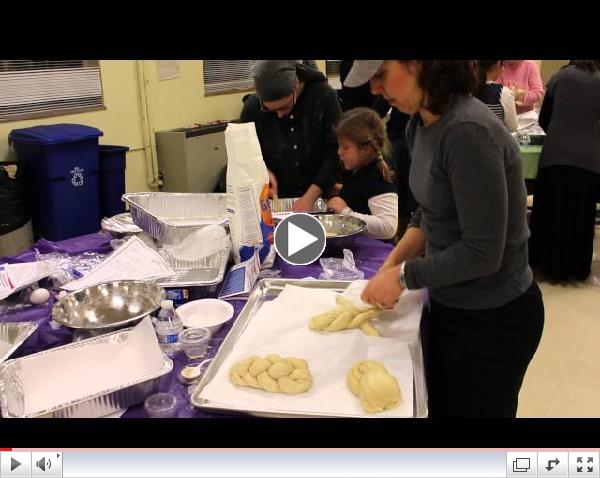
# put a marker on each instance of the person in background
(567, 187)
(467, 243)
(395, 124)
(368, 190)
(524, 79)
(498, 98)
(311, 63)
(351, 98)
(295, 111)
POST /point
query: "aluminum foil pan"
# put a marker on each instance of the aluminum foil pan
(285, 206)
(12, 400)
(120, 224)
(206, 272)
(12, 335)
(169, 217)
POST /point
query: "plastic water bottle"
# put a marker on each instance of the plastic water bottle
(168, 327)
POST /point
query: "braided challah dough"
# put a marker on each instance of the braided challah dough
(346, 316)
(273, 374)
(370, 381)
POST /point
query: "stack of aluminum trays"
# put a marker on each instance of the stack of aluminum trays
(169, 218)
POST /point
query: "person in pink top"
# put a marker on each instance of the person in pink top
(524, 79)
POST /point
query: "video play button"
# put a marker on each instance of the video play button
(300, 239)
(15, 464)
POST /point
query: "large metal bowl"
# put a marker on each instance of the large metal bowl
(340, 230)
(109, 305)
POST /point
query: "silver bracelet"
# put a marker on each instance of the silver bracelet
(401, 277)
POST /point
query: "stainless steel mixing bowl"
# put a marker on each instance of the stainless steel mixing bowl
(109, 305)
(340, 230)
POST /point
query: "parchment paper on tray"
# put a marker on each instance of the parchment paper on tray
(67, 375)
(281, 327)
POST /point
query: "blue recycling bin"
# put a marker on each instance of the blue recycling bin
(61, 164)
(112, 179)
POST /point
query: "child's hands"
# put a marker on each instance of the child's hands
(303, 204)
(337, 204)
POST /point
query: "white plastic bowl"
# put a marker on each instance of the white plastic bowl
(207, 313)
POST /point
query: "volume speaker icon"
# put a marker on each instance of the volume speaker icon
(43, 464)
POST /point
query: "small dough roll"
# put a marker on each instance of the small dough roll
(377, 390)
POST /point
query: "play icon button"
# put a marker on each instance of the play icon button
(300, 239)
(15, 464)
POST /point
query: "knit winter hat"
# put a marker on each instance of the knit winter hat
(275, 79)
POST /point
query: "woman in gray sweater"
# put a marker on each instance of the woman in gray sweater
(568, 184)
(468, 240)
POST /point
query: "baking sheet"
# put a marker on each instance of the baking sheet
(281, 327)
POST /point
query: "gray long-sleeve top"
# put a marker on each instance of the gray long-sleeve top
(467, 177)
(570, 116)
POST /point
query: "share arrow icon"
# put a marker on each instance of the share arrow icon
(550, 466)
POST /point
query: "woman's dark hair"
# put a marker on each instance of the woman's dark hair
(483, 66)
(442, 80)
(364, 127)
(587, 65)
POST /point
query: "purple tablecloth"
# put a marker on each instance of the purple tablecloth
(369, 254)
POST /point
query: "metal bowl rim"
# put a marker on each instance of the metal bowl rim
(361, 229)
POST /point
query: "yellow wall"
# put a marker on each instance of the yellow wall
(549, 67)
(120, 121)
(181, 102)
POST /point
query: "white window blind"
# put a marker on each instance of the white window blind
(332, 69)
(38, 88)
(227, 76)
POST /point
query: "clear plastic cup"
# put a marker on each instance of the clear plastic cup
(161, 405)
(524, 139)
(195, 342)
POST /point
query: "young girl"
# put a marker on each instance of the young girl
(498, 98)
(368, 190)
